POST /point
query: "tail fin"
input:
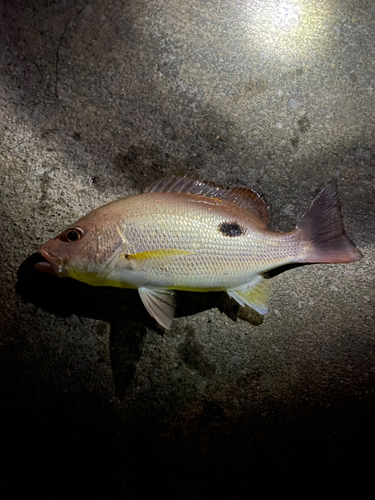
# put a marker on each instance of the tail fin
(322, 226)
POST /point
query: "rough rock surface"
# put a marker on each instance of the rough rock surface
(98, 100)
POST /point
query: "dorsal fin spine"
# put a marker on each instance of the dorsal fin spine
(242, 197)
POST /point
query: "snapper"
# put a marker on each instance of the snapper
(184, 234)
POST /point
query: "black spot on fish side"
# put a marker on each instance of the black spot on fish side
(230, 229)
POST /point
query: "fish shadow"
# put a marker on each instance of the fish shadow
(121, 308)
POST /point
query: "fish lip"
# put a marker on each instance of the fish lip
(55, 263)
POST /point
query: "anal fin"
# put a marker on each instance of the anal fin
(254, 294)
(160, 304)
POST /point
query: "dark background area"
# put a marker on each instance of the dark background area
(97, 101)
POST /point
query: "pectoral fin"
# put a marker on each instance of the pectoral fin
(254, 294)
(160, 304)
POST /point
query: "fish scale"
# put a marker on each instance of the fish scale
(191, 223)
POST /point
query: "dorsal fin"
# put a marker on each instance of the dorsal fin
(242, 197)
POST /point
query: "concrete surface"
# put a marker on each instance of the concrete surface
(99, 99)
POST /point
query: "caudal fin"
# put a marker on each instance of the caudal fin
(322, 226)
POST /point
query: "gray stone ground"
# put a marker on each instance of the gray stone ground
(98, 100)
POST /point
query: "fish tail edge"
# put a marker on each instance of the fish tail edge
(323, 227)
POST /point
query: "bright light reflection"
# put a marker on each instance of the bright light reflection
(288, 29)
(286, 15)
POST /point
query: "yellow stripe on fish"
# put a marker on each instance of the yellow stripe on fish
(156, 254)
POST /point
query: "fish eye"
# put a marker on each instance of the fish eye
(73, 235)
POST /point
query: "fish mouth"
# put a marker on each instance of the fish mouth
(53, 264)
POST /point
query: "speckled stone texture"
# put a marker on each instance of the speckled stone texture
(97, 101)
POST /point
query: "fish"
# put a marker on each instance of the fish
(184, 234)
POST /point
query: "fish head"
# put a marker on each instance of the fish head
(91, 246)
